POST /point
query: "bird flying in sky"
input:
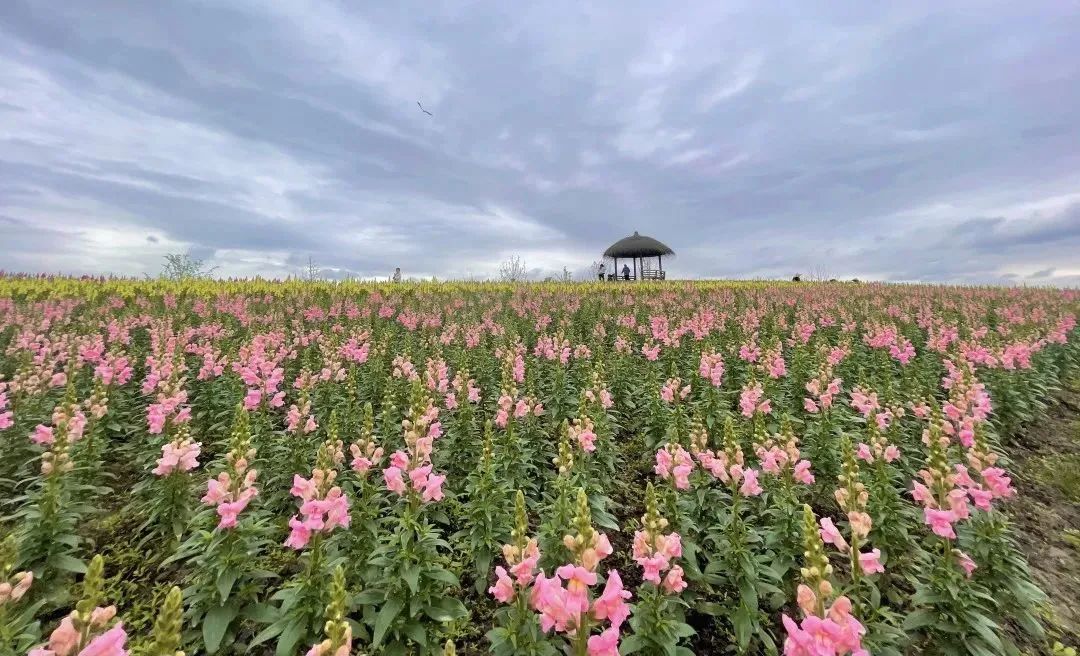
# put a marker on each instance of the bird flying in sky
(422, 108)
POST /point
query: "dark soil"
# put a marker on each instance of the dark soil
(1043, 512)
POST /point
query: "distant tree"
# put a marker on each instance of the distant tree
(313, 272)
(513, 269)
(181, 266)
(566, 275)
(818, 274)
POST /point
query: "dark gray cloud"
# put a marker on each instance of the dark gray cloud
(916, 142)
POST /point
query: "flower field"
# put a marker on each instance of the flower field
(746, 468)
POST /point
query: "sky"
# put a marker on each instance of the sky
(913, 142)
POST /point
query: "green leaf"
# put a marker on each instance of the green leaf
(446, 576)
(67, 563)
(260, 613)
(369, 597)
(215, 624)
(387, 614)
(682, 630)
(743, 626)
(711, 608)
(415, 632)
(290, 637)
(269, 632)
(225, 583)
(412, 578)
(919, 619)
(631, 644)
(446, 610)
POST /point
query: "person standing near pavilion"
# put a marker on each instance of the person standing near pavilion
(600, 271)
(397, 274)
(626, 272)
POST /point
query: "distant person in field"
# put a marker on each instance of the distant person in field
(397, 274)
(626, 272)
(600, 271)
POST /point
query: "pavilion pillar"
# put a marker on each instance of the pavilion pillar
(616, 268)
(635, 268)
(660, 262)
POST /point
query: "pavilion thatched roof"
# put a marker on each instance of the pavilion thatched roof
(638, 246)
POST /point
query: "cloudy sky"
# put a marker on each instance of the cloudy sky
(756, 139)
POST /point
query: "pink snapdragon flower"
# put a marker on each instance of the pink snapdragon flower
(673, 582)
(711, 368)
(750, 401)
(674, 462)
(178, 455)
(324, 507)
(750, 486)
(940, 522)
(831, 535)
(611, 605)
(503, 590)
(231, 491)
(966, 562)
(802, 473)
(838, 633)
(870, 562)
(605, 644)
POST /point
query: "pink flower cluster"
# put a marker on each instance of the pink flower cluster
(356, 349)
(523, 564)
(878, 449)
(66, 418)
(564, 600)
(67, 640)
(995, 483)
(968, 404)
(232, 492)
(299, 418)
(415, 462)
(7, 417)
(774, 364)
(259, 365)
(461, 387)
(213, 361)
(16, 587)
(324, 507)
(887, 337)
(711, 368)
(836, 634)
(113, 369)
(165, 380)
(866, 403)
(437, 376)
(674, 462)
(583, 432)
(552, 348)
(776, 459)
(672, 389)
(750, 401)
(654, 551)
(178, 455)
(523, 407)
(365, 456)
(821, 399)
(600, 395)
(869, 561)
(167, 408)
(421, 478)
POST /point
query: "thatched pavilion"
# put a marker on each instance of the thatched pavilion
(638, 247)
